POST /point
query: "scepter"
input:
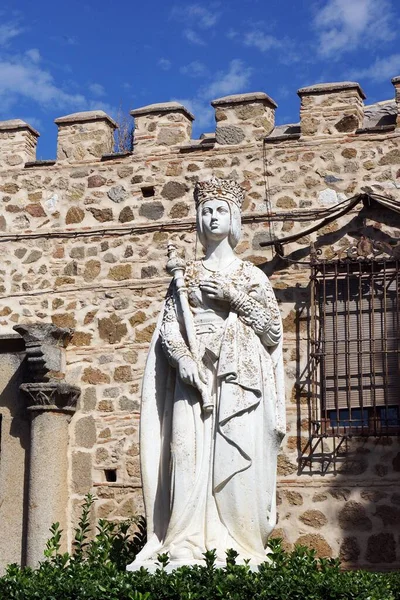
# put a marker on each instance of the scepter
(176, 267)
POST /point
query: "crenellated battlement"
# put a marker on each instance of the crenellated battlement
(326, 109)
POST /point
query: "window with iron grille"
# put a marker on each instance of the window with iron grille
(355, 347)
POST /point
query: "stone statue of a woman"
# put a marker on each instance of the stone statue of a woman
(209, 478)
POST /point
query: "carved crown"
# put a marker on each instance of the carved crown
(218, 189)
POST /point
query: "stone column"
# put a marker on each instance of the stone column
(396, 83)
(51, 403)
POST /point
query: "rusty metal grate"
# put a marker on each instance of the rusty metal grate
(355, 347)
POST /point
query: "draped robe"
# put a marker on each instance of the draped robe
(209, 481)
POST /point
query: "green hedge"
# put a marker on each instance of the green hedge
(95, 570)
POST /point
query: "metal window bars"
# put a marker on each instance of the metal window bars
(355, 346)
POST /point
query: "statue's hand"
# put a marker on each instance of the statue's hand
(218, 290)
(189, 372)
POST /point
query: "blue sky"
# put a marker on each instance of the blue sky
(59, 57)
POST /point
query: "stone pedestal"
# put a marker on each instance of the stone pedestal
(50, 403)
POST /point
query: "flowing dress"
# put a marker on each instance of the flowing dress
(209, 481)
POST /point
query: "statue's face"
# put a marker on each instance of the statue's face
(216, 219)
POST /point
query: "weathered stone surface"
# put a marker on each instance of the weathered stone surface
(285, 202)
(173, 190)
(32, 257)
(294, 498)
(117, 193)
(88, 399)
(120, 272)
(92, 270)
(95, 181)
(316, 542)
(229, 135)
(85, 432)
(74, 215)
(285, 466)
(128, 404)
(279, 533)
(151, 210)
(94, 376)
(81, 338)
(180, 210)
(102, 214)
(144, 335)
(126, 215)
(148, 272)
(81, 472)
(372, 495)
(340, 494)
(390, 515)
(35, 210)
(112, 329)
(349, 550)
(353, 465)
(314, 518)
(347, 123)
(319, 497)
(137, 318)
(353, 516)
(391, 158)
(123, 374)
(381, 548)
(64, 320)
(171, 137)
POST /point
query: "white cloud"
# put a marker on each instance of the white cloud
(96, 89)
(234, 80)
(382, 69)
(195, 14)
(8, 31)
(65, 40)
(197, 20)
(193, 37)
(27, 80)
(262, 41)
(344, 25)
(164, 64)
(194, 69)
(34, 55)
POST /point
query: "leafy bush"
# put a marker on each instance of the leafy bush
(95, 570)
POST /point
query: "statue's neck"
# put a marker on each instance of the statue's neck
(218, 254)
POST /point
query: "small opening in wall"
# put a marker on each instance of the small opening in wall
(148, 191)
(111, 475)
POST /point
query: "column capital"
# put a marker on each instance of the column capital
(52, 397)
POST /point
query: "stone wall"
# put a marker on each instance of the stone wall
(83, 242)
